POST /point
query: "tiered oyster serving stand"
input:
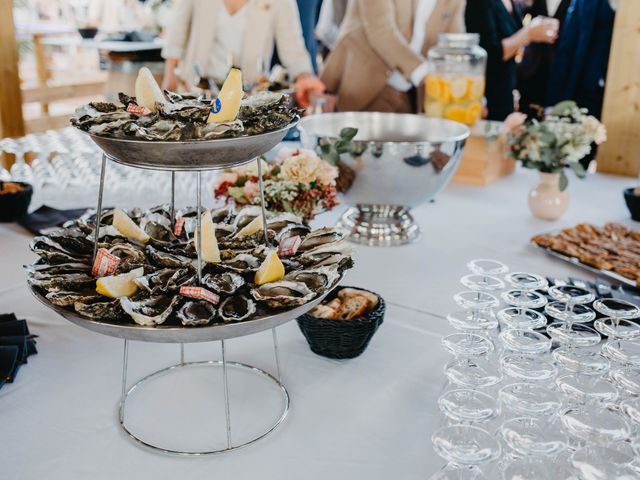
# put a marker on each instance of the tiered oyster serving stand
(192, 156)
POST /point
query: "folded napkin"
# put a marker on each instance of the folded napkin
(47, 217)
(16, 344)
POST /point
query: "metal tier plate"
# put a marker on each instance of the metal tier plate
(178, 334)
(191, 155)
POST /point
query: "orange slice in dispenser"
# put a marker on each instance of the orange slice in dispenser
(458, 88)
(445, 91)
(456, 113)
(432, 86)
(433, 109)
(476, 88)
(474, 111)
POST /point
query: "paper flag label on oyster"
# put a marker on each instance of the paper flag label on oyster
(289, 246)
(200, 293)
(128, 227)
(117, 286)
(177, 228)
(271, 269)
(230, 97)
(105, 264)
(148, 92)
(253, 227)
(139, 110)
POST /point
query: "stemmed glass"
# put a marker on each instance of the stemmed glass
(477, 313)
(20, 171)
(465, 448)
(523, 300)
(470, 368)
(468, 406)
(600, 462)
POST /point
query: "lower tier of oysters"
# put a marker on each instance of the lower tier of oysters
(63, 271)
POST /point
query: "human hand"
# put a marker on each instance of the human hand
(543, 30)
(170, 79)
(307, 83)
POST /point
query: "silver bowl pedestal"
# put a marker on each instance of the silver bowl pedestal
(402, 161)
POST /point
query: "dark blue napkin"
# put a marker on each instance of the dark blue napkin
(47, 217)
(16, 344)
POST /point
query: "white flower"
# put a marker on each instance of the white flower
(327, 173)
(594, 128)
(301, 167)
(251, 169)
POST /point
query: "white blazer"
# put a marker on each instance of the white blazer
(191, 33)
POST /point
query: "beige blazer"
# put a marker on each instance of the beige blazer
(374, 41)
(191, 33)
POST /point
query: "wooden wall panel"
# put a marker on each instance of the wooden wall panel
(11, 121)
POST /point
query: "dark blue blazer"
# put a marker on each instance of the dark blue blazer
(579, 67)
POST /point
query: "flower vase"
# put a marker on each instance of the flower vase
(546, 201)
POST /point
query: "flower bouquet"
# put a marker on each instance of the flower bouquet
(559, 140)
(298, 181)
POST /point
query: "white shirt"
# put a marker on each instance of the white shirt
(228, 43)
(552, 7)
(423, 13)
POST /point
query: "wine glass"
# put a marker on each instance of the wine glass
(465, 405)
(597, 425)
(465, 448)
(604, 462)
(477, 313)
(521, 318)
(530, 399)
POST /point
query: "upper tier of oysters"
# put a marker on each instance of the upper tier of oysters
(63, 272)
(184, 117)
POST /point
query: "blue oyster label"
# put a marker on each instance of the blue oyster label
(217, 106)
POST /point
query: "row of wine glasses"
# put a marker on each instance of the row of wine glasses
(66, 163)
(534, 385)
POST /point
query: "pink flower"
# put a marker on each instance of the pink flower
(229, 177)
(250, 189)
(326, 173)
(514, 121)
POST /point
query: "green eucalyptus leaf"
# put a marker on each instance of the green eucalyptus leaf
(564, 181)
(578, 170)
(348, 133)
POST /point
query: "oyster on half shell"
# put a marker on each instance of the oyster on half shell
(110, 311)
(196, 312)
(226, 283)
(318, 279)
(149, 311)
(236, 308)
(284, 293)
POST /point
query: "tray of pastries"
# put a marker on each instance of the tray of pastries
(612, 250)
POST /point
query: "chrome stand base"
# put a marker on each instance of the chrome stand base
(379, 225)
(140, 440)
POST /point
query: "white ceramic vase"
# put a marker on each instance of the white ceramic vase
(546, 201)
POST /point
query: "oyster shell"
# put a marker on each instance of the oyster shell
(226, 283)
(321, 237)
(318, 279)
(292, 230)
(246, 216)
(196, 312)
(165, 281)
(58, 268)
(284, 293)
(168, 260)
(62, 282)
(335, 253)
(216, 130)
(68, 299)
(242, 262)
(278, 222)
(110, 311)
(53, 252)
(130, 257)
(149, 311)
(236, 308)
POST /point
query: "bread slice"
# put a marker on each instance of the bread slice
(354, 307)
(323, 311)
(345, 293)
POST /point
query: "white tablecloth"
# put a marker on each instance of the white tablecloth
(367, 418)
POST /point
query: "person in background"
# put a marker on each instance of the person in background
(533, 69)
(380, 56)
(579, 69)
(119, 16)
(309, 10)
(331, 16)
(213, 35)
(502, 35)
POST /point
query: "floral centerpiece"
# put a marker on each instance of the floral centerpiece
(551, 144)
(298, 181)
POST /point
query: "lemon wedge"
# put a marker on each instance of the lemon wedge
(148, 92)
(127, 227)
(117, 286)
(271, 269)
(210, 251)
(227, 105)
(254, 227)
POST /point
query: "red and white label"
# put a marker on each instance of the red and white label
(106, 263)
(289, 246)
(179, 225)
(200, 293)
(137, 109)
